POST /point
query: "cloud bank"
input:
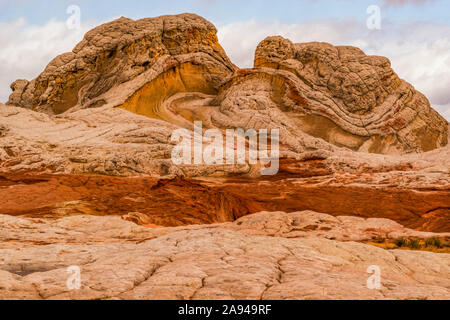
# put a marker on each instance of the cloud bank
(26, 49)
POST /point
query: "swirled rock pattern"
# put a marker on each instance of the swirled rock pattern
(351, 99)
(319, 95)
(121, 56)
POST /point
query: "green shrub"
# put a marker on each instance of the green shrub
(434, 242)
(414, 244)
(400, 243)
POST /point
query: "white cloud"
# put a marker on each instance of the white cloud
(420, 53)
(399, 3)
(26, 49)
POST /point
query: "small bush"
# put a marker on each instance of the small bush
(434, 242)
(400, 243)
(404, 243)
(414, 244)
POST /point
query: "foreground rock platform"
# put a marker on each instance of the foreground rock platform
(262, 256)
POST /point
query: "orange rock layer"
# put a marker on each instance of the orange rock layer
(177, 202)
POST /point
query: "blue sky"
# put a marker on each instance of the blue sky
(227, 11)
(415, 34)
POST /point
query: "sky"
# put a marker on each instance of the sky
(413, 34)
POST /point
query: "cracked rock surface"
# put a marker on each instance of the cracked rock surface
(263, 256)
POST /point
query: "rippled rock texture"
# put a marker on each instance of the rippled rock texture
(312, 91)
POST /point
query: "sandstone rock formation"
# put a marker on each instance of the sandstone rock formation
(353, 100)
(181, 52)
(264, 256)
(85, 157)
(172, 68)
